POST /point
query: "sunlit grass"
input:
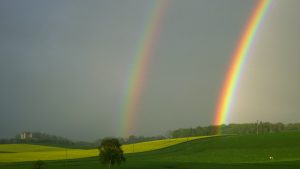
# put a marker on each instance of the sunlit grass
(158, 144)
(26, 152)
(16, 148)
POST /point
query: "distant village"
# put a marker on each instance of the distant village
(25, 135)
(37, 138)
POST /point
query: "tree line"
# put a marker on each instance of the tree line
(47, 139)
(246, 128)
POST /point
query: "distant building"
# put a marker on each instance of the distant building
(26, 135)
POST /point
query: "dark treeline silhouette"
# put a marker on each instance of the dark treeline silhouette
(247, 128)
(241, 129)
(53, 140)
(46, 139)
(136, 139)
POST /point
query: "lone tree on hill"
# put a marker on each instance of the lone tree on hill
(110, 152)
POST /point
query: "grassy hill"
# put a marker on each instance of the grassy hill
(237, 152)
(27, 152)
(234, 149)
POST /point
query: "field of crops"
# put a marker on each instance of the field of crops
(17, 148)
(226, 152)
(235, 149)
(26, 152)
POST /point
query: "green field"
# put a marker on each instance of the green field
(26, 152)
(235, 152)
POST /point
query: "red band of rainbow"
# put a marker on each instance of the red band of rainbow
(237, 62)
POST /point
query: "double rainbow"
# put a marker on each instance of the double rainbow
(238, 60)
(146, 47)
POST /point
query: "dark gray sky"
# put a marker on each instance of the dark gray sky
(64, 64)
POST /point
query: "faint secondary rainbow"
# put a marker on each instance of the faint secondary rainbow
(238, 60)
(140, 65)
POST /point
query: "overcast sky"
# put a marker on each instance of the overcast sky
(64, 64)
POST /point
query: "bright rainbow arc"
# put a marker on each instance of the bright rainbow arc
(238, 60)
(141, 61)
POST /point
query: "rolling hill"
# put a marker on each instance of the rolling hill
(27, 152)
(234, 152)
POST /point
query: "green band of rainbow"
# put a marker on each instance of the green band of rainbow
(238, 59)
(141, 61)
